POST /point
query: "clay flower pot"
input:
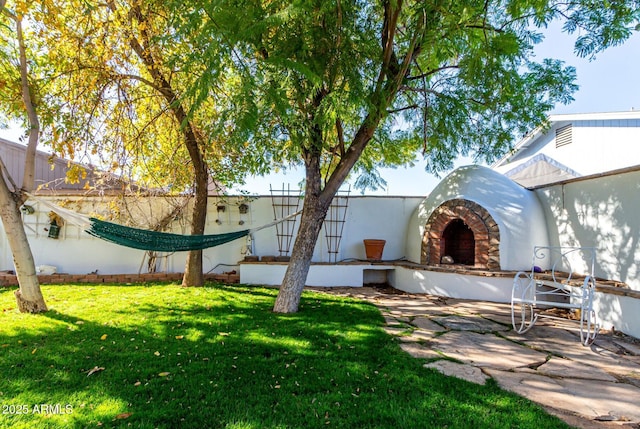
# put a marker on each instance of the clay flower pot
(374, 248)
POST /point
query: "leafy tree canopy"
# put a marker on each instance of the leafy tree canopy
(443, 77)
(101, 73)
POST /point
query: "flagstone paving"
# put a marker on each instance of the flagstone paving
(588, 387)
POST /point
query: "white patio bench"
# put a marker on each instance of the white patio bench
(557, 287)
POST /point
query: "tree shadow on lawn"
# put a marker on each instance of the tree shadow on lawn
(220, 358)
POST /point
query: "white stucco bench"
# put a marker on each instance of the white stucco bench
(558, 286)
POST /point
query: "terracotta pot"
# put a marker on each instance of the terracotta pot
(374, 248)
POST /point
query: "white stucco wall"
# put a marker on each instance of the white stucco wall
(516, 210)
(603, 213)
(76, 252)
(619, 312)
(322, 275)
(452, 284)
(367, 217)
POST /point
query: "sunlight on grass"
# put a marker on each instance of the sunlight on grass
(162, 356)
(296, 345)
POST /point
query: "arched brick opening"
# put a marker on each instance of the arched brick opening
(449, 221)
(459, 242)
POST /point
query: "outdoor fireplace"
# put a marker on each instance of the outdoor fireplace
(461, 232)
(480, 219)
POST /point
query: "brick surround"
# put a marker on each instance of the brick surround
(486, 233)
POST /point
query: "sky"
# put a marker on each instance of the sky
(609, 83)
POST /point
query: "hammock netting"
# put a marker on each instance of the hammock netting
(158, 241)
(144, 239)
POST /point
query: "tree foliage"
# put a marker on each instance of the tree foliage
(465, 79)
(112, 87)
(113, 84)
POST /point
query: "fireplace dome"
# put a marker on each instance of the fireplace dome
(479, 218)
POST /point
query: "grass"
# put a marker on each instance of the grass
(162, 356)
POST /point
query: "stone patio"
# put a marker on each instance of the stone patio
(588, 387)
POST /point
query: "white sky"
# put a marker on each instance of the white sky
(607, 84)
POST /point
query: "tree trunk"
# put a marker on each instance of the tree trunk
(193, 273)
(314, 210)
(29, 297)
(313, 214)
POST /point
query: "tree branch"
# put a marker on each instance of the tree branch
(432, 72)
(7, 12)
(389, 30)
(5, 171)
(34, 124)
(147, 82)
(340, 132)
(402, 109)
(389, 83)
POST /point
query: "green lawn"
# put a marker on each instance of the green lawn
(162, 356)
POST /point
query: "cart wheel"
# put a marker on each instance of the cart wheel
(523, 317)
(588, 327)
(588, 321)
(523, 314)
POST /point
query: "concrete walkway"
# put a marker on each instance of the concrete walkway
(588, 387)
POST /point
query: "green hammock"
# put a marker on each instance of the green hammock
(158, 241)
(150, 240)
